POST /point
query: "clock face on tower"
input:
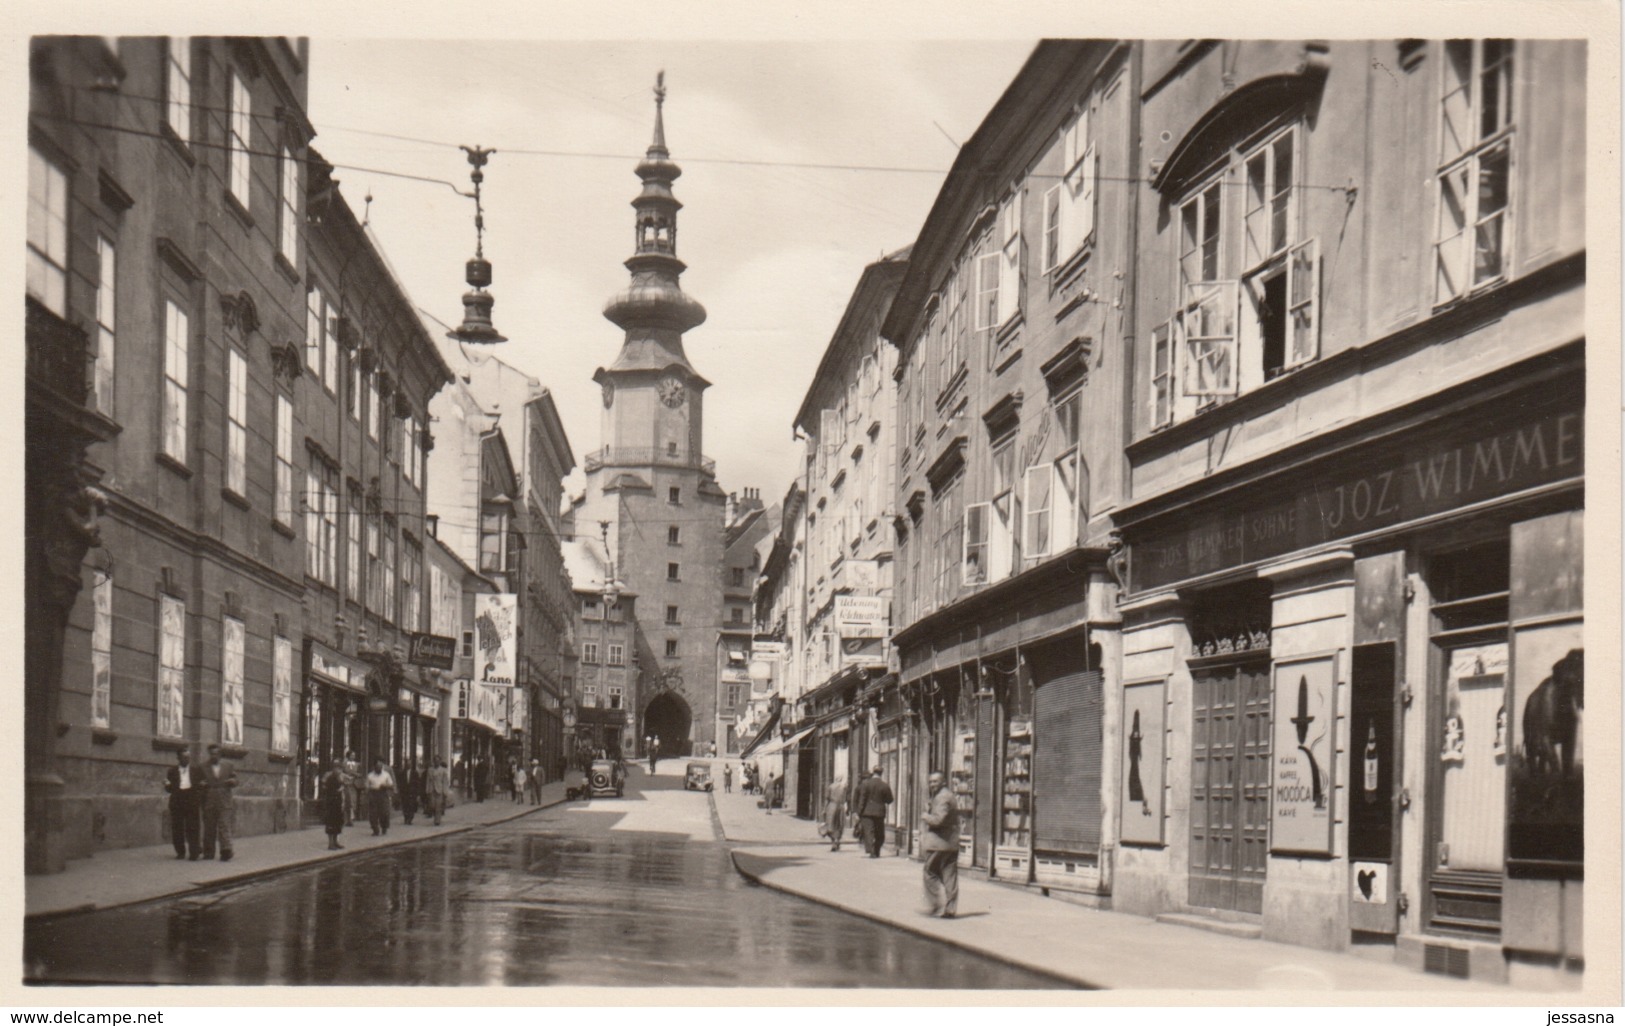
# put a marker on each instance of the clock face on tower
(671, 391)
(609, 393)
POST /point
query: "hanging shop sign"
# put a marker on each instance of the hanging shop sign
(862, 575)
(1301, 785)
(433, 650)
(488, 706)
(1140, 809)
(429, 707)
(1457, 466)
(462, 697)
(519, 717)
(406, 699)
(862, 616)
(495, 636)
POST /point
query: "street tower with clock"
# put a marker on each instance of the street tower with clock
(651, 481)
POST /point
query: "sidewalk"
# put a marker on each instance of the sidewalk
(124, 876)
(1092, 948)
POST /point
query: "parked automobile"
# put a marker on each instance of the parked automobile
(606, 777)
(698, 778)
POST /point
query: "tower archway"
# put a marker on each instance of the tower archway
(669, 718)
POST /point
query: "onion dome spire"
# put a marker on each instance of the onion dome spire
(654, 306)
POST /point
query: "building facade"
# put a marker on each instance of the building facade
(849, 420)
(650, 480)
(361, 395)
(1352, 618)
(166, 280)
(1011, 335)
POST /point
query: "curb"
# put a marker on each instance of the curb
(1077, 982)
(325, 857)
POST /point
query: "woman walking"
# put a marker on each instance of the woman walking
(834, 813)
(333, 790)
(519, 775)
(437, 788)
(380, 787)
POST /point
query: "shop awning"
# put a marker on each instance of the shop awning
(780, 746)
(761, 735)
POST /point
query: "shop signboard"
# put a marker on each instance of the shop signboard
(495, 637)
(429, 707)
(768, 650)
(1303, 757)
(488, 706)
(406, 699)
(862, 616)
(1462, 464)
(519, 718)
(464, 689)
(433, 650)
(862, 575)
(1141, 806)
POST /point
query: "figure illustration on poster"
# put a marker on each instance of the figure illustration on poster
(1136, 790)
(1301, 722)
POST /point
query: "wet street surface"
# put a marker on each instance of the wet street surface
(629, 892)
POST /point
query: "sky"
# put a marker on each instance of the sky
(774, 250)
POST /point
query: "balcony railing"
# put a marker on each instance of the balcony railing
(58, 354)
(626, 456)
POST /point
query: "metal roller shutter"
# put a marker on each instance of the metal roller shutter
(987, 747)
(1067, 745)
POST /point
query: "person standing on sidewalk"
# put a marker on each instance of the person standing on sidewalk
(482, 778)
(727, 778)
(219, 814)
(874, 794)
(380, 784)
(333, 788)
(356, 770)
(941, 847)
(185, 823)
(521, 779)
(437, 788)
(835, 813)
(533, 781)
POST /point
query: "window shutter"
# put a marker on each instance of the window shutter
(1068, 716)
(1040, 497)
(1010, 264)
(1208, 324)
(1000, 547)
(1162, 374)
(987, 290)
(1052, 226)
(1086, 195)
(1064, 498)
(974, 557)
(1303, 303)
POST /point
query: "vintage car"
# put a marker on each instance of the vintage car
(698, 777)
(607, 776)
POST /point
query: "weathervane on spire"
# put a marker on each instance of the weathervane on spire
(477, 156)
(660, 87)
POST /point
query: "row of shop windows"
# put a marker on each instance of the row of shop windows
(1023, 745)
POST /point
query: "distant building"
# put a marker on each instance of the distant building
(849, 419)
(748, 525)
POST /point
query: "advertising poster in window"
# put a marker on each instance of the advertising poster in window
(1141, 804)
(1546, 745)
(1303, 756)
(495, 636)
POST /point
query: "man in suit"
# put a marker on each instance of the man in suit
(941, 846)
(411, 792)
(219, 815)
(185, 787)
(874, 794)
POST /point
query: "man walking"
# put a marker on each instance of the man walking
(941, 847)
(411, 779)
(219, 814)
(727, 778)
(184, 789)
(874, 794)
